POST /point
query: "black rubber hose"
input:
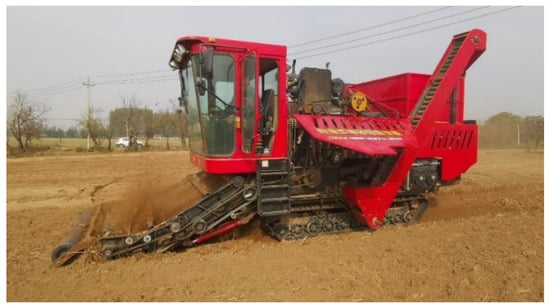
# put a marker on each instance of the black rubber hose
(74, 236)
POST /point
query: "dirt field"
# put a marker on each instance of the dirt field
(484, 241)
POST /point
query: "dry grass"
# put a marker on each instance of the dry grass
(67, 146)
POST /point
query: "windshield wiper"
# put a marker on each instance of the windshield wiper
(202, 86)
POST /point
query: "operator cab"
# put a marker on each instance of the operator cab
(234, 96)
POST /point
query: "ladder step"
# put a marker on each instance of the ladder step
(270, 173)
(278, 186)
(274, 212)
(273, 188)
(275, 200)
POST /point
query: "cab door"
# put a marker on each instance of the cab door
(249, 103)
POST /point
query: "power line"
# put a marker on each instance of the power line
(56, 92)
(148, 81)
(71, 84)
(370, 28)
(76, 86)
(77, 83)
(134, 74)
(391, 31)
(408, 34)
(77, 80)
(55, 89)
(61, 119)
(134, 81)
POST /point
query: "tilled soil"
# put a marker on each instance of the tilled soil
(483, 241)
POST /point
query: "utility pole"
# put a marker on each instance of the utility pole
(88, 84)
(519, 143)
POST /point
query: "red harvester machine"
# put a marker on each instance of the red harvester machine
(305, 153)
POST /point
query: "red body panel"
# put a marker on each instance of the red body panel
(371, 136)
(370, 204)
(455, 145)
(191, 42)
(223, 165)
(431, 123)
(240, 162)
(401, 92)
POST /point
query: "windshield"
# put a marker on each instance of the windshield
(211, 101)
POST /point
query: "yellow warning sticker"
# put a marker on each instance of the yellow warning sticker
(366, 132)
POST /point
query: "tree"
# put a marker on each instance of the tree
(126, 121)
(25, 119)
(108, 133)
(131, 117)
(92, 126)
(72, 132)
(53, 132)
(500, 130)
(165, 125)
(146, 116)
(532, 131)
(131, 120)
(33, 129)
(181, 119)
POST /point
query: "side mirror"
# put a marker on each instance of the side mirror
(207, 62)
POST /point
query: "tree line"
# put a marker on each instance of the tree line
(25, 122)
(507, 130)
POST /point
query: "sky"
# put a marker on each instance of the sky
(124, 51)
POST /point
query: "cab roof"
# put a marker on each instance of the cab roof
(261, 48)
